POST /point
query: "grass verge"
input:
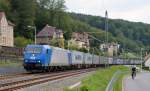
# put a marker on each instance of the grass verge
(10, 63)
(118, 84)
(100, 79)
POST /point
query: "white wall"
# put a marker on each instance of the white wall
(7, 36)
(147, 63)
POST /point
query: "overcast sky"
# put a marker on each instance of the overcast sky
(132, 10)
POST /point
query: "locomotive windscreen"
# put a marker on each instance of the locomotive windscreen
(33, 50)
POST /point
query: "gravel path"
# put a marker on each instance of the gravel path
(141, 82)
(58, 85)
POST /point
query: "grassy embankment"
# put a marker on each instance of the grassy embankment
(129, 55)
(100, 79)
(118, 85)
(10, 63)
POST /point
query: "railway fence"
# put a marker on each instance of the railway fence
(11, 51)
(11, 54)
(9, 59)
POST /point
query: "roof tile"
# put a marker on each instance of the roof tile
(79, 36)
(1, 15)
(48, 31)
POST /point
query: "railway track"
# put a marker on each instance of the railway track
(16, 85)
(9, 76)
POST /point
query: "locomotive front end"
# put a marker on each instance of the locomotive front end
(33, 57)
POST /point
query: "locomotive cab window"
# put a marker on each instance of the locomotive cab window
(47, 51)
(33, 50)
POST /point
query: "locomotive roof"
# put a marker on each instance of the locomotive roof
(57, 48)
(45, 46)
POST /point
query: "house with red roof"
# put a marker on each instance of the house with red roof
(6, 31)
(49, 33)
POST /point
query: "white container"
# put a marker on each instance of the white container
(77, 57)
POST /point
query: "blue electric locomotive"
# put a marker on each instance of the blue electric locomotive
(48, 58)
(36, 57)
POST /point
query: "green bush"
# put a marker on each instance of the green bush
(22, 42)
(83, 50)
(84, 88)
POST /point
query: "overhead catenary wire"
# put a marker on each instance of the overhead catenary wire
(96, 39)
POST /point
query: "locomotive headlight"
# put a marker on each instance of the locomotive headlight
(26, 60)
(39, 61)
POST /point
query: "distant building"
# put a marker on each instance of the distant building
(80, 39)
(110, 48)
(6, 31)
(147, 61)
(49, 33)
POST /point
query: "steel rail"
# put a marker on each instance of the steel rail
(38, 80)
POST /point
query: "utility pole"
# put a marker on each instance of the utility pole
(68, 44)
(106, 36)
(33, 27)
(141, 58)
(106, 26)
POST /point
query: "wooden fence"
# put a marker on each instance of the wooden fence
(11, 51)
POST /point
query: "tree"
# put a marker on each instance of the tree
(5, 6)
(22, 42)
(72, 45)
(54, 8)
(131, 34)
(54, 42)
(57, 42)
(83, 50)
(52, 12)
(61, 43)
(25, 11)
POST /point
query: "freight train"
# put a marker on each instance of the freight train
(48, 58)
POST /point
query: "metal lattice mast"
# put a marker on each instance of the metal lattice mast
(106, 26)
(106, 40)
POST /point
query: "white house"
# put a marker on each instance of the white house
(81, 39)
(6, 31)
(111, 48)
(147, 61)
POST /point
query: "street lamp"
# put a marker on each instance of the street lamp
(141, 58)
(33, 27)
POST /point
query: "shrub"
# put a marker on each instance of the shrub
(22, 42)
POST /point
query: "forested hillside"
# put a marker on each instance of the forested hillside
(38, 13)
(131, 35)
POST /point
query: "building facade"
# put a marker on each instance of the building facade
(6, 31)
(50, 34)
(110, 48)
(147, 61)
(81, 39)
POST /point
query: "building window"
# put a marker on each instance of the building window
(0, 31)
